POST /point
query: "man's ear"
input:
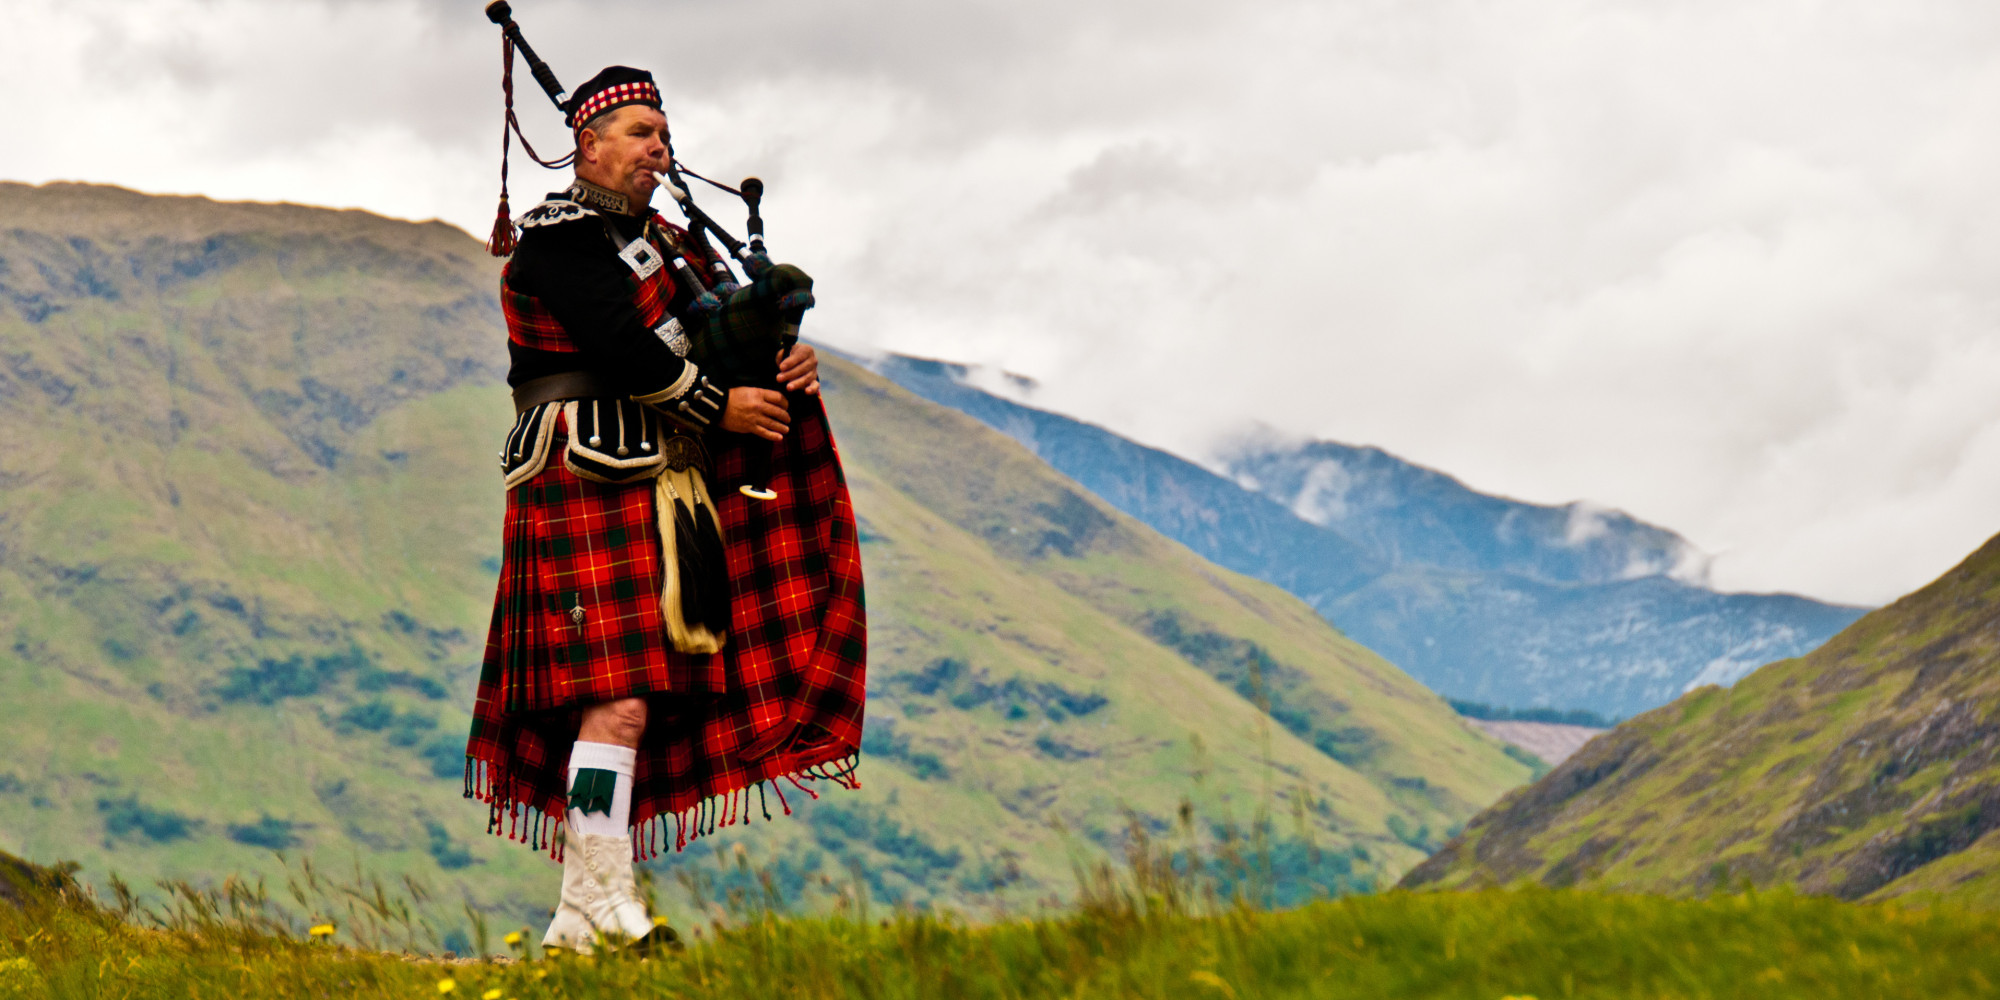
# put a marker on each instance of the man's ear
(586, 146)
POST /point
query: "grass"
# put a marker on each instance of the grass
(1130, 938)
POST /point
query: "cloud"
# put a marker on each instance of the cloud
(1585, 522)
(1322, 496)
(1723, 265)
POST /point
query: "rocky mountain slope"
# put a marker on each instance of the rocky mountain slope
(248, 539)
(1480, 597)
(1868, 768)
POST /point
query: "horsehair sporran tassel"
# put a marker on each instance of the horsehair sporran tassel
(683, 566)
(708, 536)
(700, 560)
(687, 552)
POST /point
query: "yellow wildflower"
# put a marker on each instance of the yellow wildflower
(446, 985)
(659, 921)
(321, 930)
(512, 939)
(492, 994)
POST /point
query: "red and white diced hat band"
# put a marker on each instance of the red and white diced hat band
(616, 87)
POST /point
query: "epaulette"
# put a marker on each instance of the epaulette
(554, 211)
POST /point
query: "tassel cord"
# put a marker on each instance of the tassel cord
(504, 239)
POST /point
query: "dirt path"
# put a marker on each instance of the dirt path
(1547, 740)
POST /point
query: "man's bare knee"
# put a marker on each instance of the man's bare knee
(621, 722)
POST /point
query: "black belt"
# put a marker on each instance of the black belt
(566, 385)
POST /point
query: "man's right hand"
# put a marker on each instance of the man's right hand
(756, 411)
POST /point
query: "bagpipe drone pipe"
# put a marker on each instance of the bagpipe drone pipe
(736, 331)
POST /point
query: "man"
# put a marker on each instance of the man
(658, 650)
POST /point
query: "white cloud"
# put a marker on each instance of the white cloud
(1725, 265)
(1585, 522)
(1322, 496)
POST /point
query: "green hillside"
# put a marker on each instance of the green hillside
(1869, 768)
(251, 531)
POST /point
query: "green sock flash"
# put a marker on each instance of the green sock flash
(591, 792)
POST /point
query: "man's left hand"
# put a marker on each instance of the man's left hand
(799, 371)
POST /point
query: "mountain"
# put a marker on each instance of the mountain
(1412, 515)
(1868, 768)
(1480, 597)
(251, 535)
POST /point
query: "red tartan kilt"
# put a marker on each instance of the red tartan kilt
(795, 654)
(572, 543)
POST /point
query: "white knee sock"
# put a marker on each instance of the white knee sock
(610, 811)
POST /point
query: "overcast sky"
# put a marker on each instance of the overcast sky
(1729, 265)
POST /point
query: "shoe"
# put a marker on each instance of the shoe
(600, 900)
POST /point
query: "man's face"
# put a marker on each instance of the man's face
(631, 147)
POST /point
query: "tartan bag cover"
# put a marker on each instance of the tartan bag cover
(741, 339)
(577, 621)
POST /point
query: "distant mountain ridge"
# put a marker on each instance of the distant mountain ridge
(1409, 514)
(1480, 597)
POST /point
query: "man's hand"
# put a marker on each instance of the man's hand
(756, 411)
(799, 371)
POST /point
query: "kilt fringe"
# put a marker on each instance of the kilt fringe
(528, 824)
(506, 816)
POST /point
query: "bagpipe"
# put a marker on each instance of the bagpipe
(736, 329)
